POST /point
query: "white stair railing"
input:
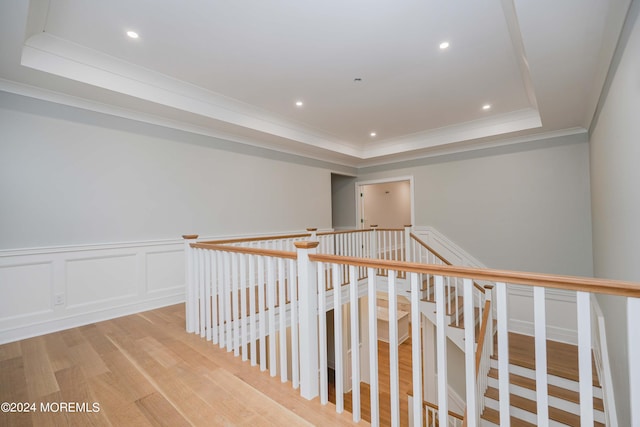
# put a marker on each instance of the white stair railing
(249, 300)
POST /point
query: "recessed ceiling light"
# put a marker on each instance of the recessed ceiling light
(132, 34)
(486, 107)
(444, 45)
(299, 103)
(372, 134)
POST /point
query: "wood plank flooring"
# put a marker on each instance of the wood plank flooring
(384, 395)
(145, 370)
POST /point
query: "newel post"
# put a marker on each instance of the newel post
(191, 302)
(308, 309)
(407, 243)
(314, 235)
(633, 335)
(373, 250)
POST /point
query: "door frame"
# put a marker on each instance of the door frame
(360, 199)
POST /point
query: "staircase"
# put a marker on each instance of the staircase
(563, 387)
(268, 305)
(454, 311)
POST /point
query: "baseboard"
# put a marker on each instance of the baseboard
(60, 324)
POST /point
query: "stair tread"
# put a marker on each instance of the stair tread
(555, 391)
(523, 403)
(493, 416)
(562, 358)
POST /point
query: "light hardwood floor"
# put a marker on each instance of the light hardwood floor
(145, 370)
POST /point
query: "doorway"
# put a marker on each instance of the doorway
(387, 203)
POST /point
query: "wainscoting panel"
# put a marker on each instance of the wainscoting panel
(165, 271)
(93, 280)
(44, 290)
(27, 289)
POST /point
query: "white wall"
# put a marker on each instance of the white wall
(74, 177)
(615, 179)
(75, 184)
(522, 207)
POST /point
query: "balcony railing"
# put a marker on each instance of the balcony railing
(267, 303)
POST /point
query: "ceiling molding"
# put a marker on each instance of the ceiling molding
(60, 57)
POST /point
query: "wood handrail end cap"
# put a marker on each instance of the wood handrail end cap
(306, 244)
(189, 236)
(312, 229)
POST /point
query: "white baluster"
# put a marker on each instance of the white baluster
(469, 353)
(207, 294)
(201, 285)
(540, 327)
(373, 250)
(373, 347)
(213, 259)
(295, 350)
(236, 303)
(393, 349)
(633, 339)
(271, 304)
(355, 344)
(394, 254)
(408, 255)
(322, 335)
(416, 350)
(441, 332)
(262, 314)
(282, 294)
(221, 297)
(337, 328)
(252, 309)
(585, 373)
(227, 300)
(244, 336)
(503, 354)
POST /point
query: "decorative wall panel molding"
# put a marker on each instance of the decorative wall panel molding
(49, 289)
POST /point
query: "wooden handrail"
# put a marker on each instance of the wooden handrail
(328, 233)
(430, 249)
(256, 239)
(483, 334)
(244, 250)
(573, 283)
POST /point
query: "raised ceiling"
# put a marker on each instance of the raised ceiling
(235, 69)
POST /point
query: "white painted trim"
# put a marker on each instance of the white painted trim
(633, 338)
(554, 333)
(46, 52)
(42, 327)
(142, 294)
(402, 160)
(604, 367)
(527, 118)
